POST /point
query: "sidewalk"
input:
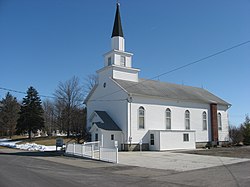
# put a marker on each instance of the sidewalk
(174, 161)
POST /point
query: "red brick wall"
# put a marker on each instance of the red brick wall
(214, 122)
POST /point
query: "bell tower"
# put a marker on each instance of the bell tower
(118, 62)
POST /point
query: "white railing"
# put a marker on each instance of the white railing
(93, 150)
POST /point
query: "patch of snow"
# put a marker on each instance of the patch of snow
(26, 146)
(50, 148)
(4, 140)
(9, 143)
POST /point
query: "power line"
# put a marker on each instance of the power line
(202, 59)
(20, 92)
(180, 67)
(157, 76)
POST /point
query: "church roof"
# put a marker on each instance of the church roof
(169, 91)
(117, 29)
(108, 123)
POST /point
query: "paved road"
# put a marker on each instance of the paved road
(33, 169)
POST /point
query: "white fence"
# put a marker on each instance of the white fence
(109, 154)
(93, 150)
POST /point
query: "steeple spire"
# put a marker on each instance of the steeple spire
(117, 29)
(118, 62)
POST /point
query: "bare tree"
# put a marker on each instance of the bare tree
(79, 123)
(69, 96)
(49, 116)
(236, 134)
(89, 82)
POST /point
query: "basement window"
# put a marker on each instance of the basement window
(186, 137)
(152, 139)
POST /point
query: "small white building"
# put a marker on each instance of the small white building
(157, 115)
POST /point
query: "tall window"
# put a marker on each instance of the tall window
(187, 120)
(141, 118)
(186, 137)
(204, 120)
(219, 121)
(168, 118)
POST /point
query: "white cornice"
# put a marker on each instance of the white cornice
(118, 52)
(119, 68)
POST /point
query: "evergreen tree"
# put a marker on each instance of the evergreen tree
(9, 109)
(31, 114)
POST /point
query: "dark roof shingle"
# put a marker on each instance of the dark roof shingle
(108, 123)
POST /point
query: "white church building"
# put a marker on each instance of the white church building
(157, 115)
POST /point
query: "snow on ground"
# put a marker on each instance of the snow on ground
(26, 146)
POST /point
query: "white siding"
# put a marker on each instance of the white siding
(224, 133)
(169, 140)
(114, 104)
(107, 142)
(155, 118)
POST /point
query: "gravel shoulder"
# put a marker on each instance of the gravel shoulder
(236, 152)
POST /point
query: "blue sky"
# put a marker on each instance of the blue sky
(43, 42)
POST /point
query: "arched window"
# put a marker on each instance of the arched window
(168, 118)
(187, 120)
(204, 120)
(219, 121)
(141, 118)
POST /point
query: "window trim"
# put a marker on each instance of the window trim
(187, 125)
(204, 120)
(141, 108)
(168, 111)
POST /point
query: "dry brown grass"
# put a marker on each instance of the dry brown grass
(46, 140)
(51, 141)
(15, 137)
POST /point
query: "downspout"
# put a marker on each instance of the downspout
(130, 118)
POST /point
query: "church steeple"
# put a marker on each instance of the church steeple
(118, 62)
(117, 29)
